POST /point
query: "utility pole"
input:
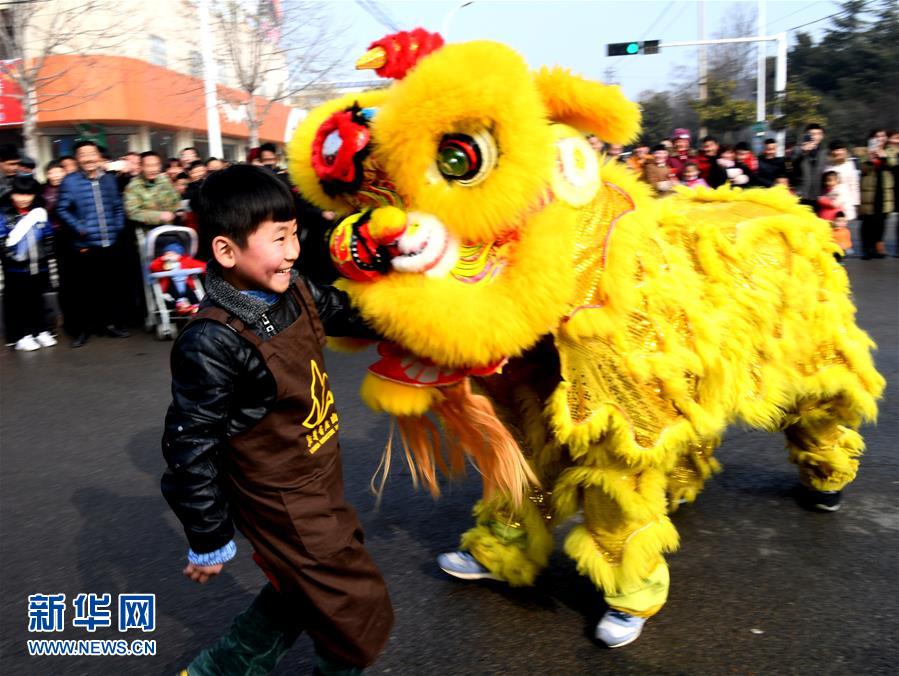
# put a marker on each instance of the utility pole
(760, 116)
(780, 81)
(780, 86)
(703, 65)
(213, 126)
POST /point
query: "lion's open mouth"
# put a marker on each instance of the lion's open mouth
(426, 247)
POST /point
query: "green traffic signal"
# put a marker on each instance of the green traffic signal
(632, 48)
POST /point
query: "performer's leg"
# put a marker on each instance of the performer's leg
(514, 545)
(825, 450)
(625, 533)
(692, 470)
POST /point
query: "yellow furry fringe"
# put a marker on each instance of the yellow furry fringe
(830, 468)
(395, 398)
(517, 562)
(715, 305)
(639, 557)
(348, 345)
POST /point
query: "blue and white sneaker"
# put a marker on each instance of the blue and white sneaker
(617, 628)
(464, 566)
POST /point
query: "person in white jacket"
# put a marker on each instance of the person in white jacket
(849, 178)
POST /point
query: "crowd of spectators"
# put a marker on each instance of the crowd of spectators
(77, 233)
(854, 189)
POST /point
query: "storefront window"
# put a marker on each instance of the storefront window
(163, 142)
(202, 146)
(115, 144)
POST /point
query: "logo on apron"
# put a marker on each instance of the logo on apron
(322, 426)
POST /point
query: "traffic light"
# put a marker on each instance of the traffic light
(631, 48)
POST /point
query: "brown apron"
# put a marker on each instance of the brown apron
(285, 483)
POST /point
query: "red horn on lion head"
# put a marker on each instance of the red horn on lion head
(395, 55)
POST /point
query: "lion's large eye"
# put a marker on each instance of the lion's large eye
(464, 159)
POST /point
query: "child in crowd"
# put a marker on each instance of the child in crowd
(251, 441)
(842, 236)
(834, 197)
(738, 174)
(657, 171)
(691, 177)
(783, 180)
(178, 291)
(25, 236)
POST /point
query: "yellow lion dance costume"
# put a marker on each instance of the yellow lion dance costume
(612, 337)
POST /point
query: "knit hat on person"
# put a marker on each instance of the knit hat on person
(680, 132)
(174, 247)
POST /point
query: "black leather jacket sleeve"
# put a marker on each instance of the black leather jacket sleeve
(339, 317)
(205, 370)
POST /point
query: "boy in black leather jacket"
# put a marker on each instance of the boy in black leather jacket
(251, 441)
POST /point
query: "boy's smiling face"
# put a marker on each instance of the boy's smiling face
(265, 262)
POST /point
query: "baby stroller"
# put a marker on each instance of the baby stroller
(172, 285)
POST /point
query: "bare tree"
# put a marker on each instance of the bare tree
(736, 62)
(275, 50)
(31, 31)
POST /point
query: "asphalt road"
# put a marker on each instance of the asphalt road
(759, 586)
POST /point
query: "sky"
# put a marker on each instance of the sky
(574, 33)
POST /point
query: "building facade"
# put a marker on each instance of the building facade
(129, 74)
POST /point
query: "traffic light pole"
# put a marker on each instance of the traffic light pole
(780, 71)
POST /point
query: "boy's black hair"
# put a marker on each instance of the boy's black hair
(63, 158)
(659, 146)
(837, 145)
(172, 161)
(268, 147)
(706, 139)
(53, 164)
(813, 125)
(195, 164)
(234, 201)
(211, 159)
(182, 175)
(190, 148)
(24, 185)
(769, 141)
(742, 145)
(826, 174)
(149, 153)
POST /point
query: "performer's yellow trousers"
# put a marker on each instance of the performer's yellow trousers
(626, 531)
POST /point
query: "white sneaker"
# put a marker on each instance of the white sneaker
(464, 566)
(27, 344)
(617, 628)
(46, 339)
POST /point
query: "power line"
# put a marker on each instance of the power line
(787, 16)
(862, 8)
(374, 9)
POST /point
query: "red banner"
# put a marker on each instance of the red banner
(10, 98)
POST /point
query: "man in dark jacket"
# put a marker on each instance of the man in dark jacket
(809, 159)
(90, 208)
(770, 165)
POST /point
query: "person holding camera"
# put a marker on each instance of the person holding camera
(809, 160)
